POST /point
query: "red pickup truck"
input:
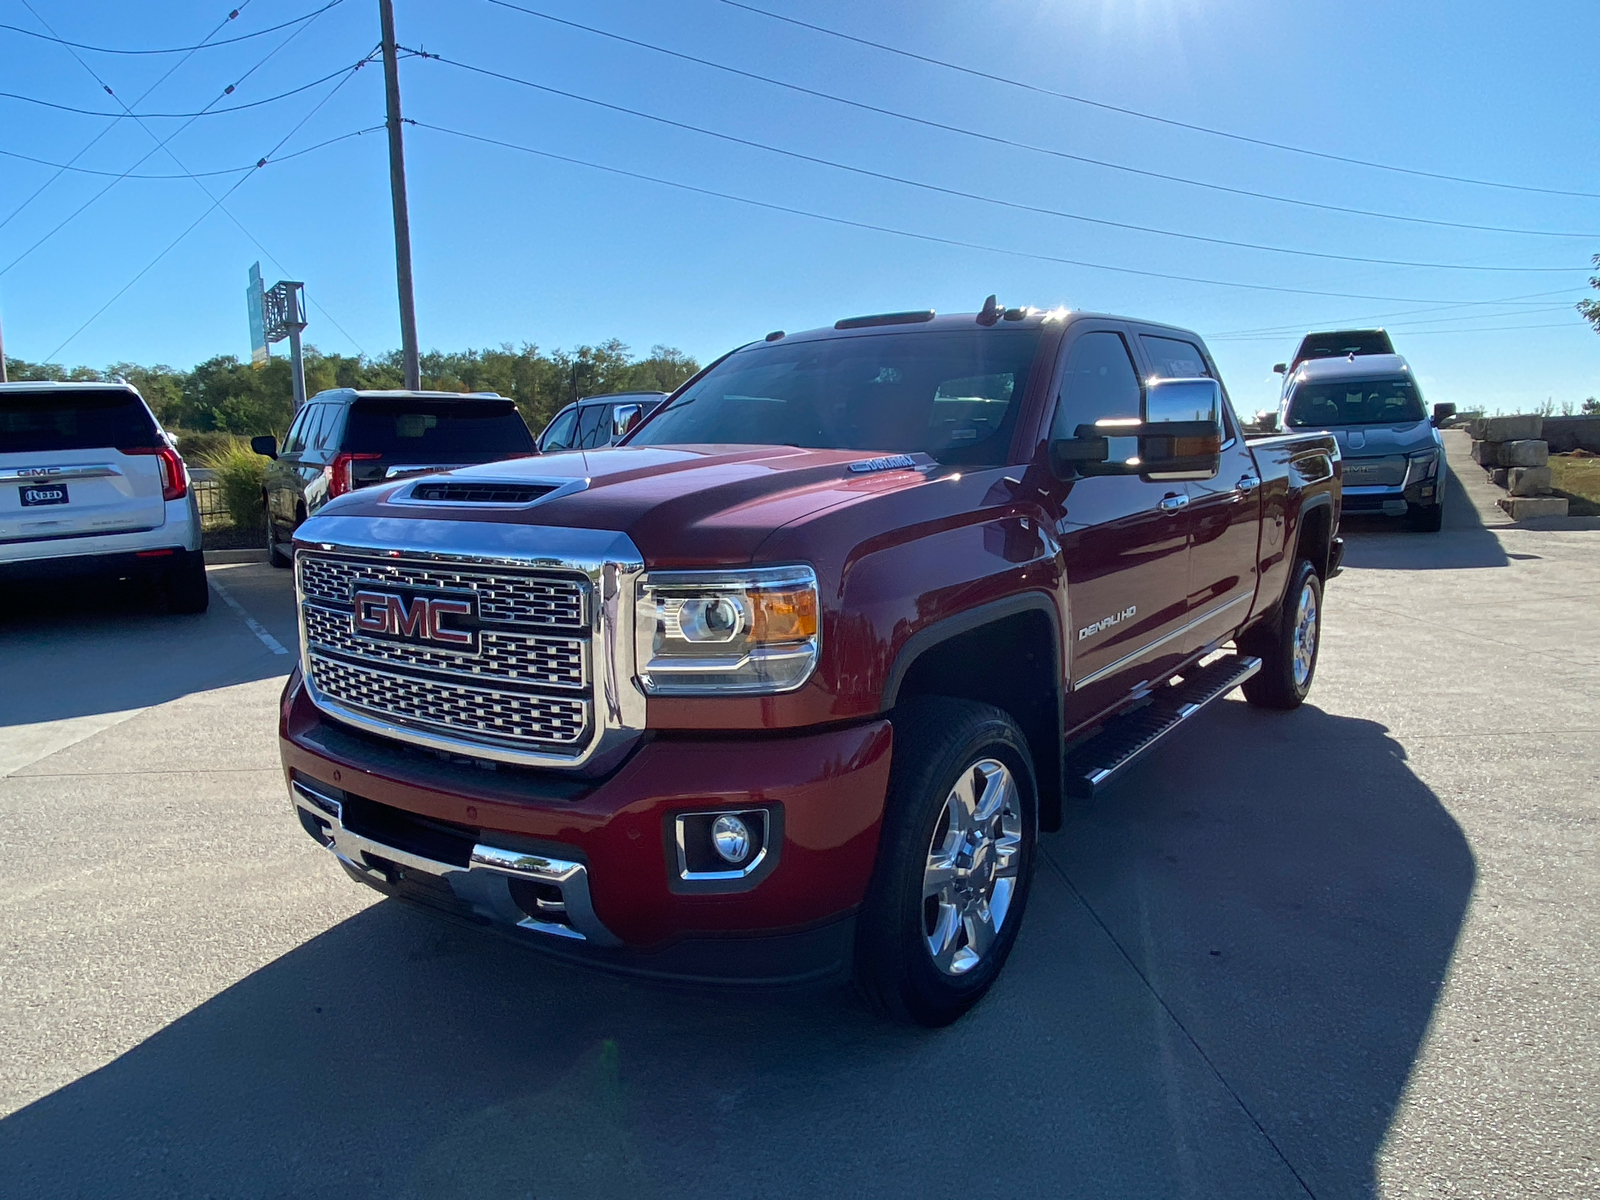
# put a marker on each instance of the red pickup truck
(785, 686)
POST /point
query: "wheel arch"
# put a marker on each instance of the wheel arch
(1314, 537)
(1008, 653)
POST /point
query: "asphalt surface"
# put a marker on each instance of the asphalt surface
(1346, 951)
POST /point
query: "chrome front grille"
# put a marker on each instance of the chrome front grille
(1375, 472)
(501, 714)
(506, 596)
(523, 685)
(513, 657)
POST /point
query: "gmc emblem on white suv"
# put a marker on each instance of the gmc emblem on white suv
(422, 619)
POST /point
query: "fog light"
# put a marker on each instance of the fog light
(731, 838)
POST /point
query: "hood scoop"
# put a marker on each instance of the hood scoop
(450, 491)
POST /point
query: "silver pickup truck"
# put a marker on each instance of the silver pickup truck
(1393, 457)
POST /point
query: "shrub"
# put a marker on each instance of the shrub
(197, 445)
(241, 474)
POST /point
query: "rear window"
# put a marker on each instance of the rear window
(60, 419)
(1342, 342)
(437, 431)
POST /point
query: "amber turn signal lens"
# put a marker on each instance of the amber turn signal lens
(784, 616)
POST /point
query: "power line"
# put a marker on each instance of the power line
(233, 14)
(1505, 306)
(72, 215)
(43, 162)
(921, 237)
(1411, 333)
(1031, 147)
(205, 45)
(1011, 204)
(215, 204)
(1145, 116)
(207, 111)
(304, 24)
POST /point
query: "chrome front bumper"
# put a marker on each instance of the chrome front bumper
(484, 884)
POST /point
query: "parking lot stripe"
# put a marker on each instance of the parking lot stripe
(255, 626)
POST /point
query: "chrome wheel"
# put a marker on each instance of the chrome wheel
(971, 873)
(1305, 636)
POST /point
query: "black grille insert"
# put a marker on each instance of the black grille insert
(442, 841)
(480, 493)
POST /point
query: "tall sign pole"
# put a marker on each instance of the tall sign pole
(397, 190)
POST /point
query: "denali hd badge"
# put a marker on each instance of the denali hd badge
(421, 619)
(1105, 623)
(889, 462)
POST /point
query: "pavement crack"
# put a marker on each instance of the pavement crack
(1176, 1020)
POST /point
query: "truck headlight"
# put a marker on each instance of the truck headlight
(727, 632)
(1422, 467)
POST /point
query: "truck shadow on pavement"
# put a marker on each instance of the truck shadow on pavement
(1226, 973)
(1386, 544)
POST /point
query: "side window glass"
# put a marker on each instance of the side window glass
(295, 440)
(316, 423)
(1100, 382)
(1175, 359)
(559, 435)
(328, 429)
(590, 422)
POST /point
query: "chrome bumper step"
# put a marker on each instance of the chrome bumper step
(1092, 766)
(484, 884)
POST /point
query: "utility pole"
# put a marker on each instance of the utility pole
(397, 190)
(2, 358)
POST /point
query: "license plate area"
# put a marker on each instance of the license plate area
(35, 495)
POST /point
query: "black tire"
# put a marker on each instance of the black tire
(1425, 518)
(275, 556)
(185, 585)
(1281, 683)
(937, 742)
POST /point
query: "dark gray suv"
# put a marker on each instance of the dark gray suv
(344, 439)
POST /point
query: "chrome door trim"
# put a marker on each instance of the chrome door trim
(1126, 659)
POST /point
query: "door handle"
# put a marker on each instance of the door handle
(1249, 483)
(1174, 503)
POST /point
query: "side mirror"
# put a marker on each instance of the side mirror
(1180, 436)
(1442, 413)
(1182, 433)
(624, 419)
(1280, 368)
(265, 444)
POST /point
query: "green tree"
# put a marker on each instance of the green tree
(1591, 308)
(225, 396)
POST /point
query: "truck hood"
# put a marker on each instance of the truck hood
(1378, 441)
(679, 505)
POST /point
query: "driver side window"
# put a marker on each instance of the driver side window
(559, 436)
(1099, 382)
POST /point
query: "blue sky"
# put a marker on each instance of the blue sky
(513, 247)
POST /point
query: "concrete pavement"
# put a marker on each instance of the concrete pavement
(1346, 951)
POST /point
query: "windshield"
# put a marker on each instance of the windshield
(438, 430)
(62, 419)
(1355, 402)
(953, 394)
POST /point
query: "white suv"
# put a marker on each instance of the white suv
(91, 487)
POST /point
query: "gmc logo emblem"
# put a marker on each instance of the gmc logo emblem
(384, 614)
